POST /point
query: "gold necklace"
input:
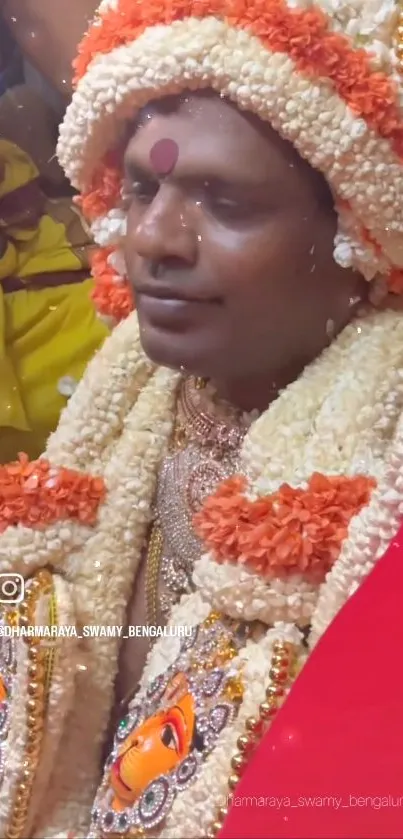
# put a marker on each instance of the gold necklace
(212, 431)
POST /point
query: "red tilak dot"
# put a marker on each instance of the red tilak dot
(164, 156)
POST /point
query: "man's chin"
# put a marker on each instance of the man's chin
(178, 352)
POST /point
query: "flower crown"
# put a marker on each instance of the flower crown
(325, 75)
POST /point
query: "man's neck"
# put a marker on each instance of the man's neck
(256, 392)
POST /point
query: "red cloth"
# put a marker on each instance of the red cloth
(331, 766)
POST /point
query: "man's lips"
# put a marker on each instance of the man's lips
(181, 295)
(174, 313)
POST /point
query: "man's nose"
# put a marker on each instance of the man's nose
(165, 230)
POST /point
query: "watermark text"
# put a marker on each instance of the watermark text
(94, 631)
(333, 802)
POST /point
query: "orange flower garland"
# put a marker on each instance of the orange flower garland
(291, 531)
(36, 494)
(112, 296)
(303, 34)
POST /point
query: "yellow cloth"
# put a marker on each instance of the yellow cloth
(45, 333)
(38, 243)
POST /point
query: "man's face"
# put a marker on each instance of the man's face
(230, 253)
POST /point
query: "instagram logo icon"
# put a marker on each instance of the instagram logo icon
(11, 588)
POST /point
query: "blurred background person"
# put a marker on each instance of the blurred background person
(49, 329)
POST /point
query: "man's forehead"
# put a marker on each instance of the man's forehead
(213, 121)
(190, 103)
(205, 136)
(186, 124)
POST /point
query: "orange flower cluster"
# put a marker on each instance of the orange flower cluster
(291, 531)
(112, 296)
(303, 34)
(118, 27)
(36, 494)
(104, 192)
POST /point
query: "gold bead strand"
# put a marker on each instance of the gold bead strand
(153, 565)
(282, 671)
(35, 705)
(53, 621)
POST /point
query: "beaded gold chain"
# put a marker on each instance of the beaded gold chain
(153, 565)
(282, 673)
(40, 663)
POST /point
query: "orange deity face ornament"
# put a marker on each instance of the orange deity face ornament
(170, 728)
(3, 690)
(157, 746)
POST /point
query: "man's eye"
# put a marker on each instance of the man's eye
(169, 737)
(142, 191)
(226, 207)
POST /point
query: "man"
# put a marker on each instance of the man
(231, 459)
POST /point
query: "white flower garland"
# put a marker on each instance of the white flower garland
(110, 229)
(338, 418)
(330, 419)
(106, 429)
(17, 737)
(246, 596)
(102, 581)
(371, 533)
